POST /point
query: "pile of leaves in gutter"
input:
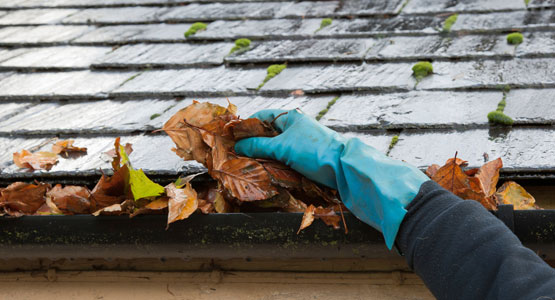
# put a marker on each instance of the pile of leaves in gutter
(207, 133)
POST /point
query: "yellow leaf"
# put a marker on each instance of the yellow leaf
(512, 193)
(182, 202)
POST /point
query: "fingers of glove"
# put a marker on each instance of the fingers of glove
(259, 147)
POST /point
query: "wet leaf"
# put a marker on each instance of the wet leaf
(245, 179)
(69, 200)
(110, 190)
(512, 193)
(252, 128)
(308, 217)
(182, 202)
(329, 216)
(65, 148)
(116, 209)
(35, 161)
(141, 186)
(451, 177)
(282, 175)
(21, 198)
(432, 170)
(488, 175)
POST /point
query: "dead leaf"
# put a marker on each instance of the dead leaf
(245, 179)
(282, 175)
(35, 161)
(66, 148)
(451, 177)
(297, 93)
(329, 216)
(308, 217)
(182, 202)
(110, 190)
(512, 193)
(252, 128)
(69, 200)
(432, 170)
(116, 209)
(21, 198)
(488, 175)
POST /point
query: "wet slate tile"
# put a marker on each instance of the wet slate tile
(307, 9)
(82, 3)
(522, 148)
(61, 84)
(491, 73)
(10, 109)
(541, 4)
(41, 34)
(343, 78)
(151, 153)
(436, 6)
(106, 116)
(370, 7)
(304, 50)
(379, 141)
(379, 26)
(248, 105)
(55, 57)
(135, 33)
(261, 29)
(165, 54)
(35, 16)
(224, 11)
(412, 110)
(505, 21)
(219, 80)
(531, 106)
(118, 15)
(537, 44)
(435, 47)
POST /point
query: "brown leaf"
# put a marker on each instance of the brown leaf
(282, 175)
(471, 172)
(252, 128)
(182, 202)
(489, 175)
(126, 207)
(308, 217)
(458, 162)
(432, 170)
(512, 193)
(297, 93)
(66, 148)
(451, 177)
(110, 190)
(245, 179)
(35, 161)
(328, 216)
(70, 199)
(157, 206)
(21, 198)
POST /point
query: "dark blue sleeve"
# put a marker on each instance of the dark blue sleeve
(461, 251)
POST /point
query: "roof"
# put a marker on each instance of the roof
(92, 70)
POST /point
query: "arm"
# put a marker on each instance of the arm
(462, 251)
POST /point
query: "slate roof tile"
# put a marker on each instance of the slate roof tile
(94, 70)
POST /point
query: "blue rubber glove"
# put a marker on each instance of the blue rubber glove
(374, 187)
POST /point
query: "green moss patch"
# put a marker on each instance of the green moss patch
(392, 144)
(515, 38)
(325, 22)
(271, 72)
(498, 117)
(240, 44)
(154, 116)
(422, 69)
(449, 22)
(196, 27)
(325, 110)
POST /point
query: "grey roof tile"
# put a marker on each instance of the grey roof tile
(415, 109)
(304, 50)
(192, 81)
(308, 9)
(520, 148)
(106, 116)
(380, 26)
(119, 15)
(378, 140)
(55, 57)
(82, 3)
(370, 7)
(537, 44)
(151, 153)
(533, 106)
(41, 34)
(224, 11)
(61, 84)
(135, 33)
(541, 3)
(435, 47)
(8, 110)
(505, 21)
(491, 73)
(267, 29)
(35, 16)
(437, 6)
(343, 78)
(165, 54)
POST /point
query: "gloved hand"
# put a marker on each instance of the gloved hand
(374, 187)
